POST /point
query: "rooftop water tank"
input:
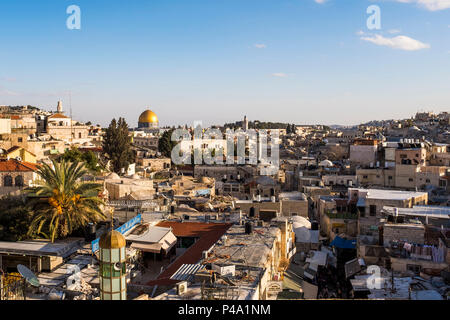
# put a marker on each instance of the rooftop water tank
(248, 228)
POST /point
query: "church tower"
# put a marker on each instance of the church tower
(59, 108)
(245, 124)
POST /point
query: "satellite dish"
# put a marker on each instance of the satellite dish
(28, 275)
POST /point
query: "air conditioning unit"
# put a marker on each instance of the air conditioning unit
(182, 288)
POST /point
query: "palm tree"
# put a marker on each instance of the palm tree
(62, 203)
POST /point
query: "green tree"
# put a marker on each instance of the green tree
(62, 202)
(91, 161)
(89, 158)
(15, 219)
(71, 155)
(165, 144)
(117, 145)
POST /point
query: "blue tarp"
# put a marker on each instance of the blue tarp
(122, 229)
(339, 242)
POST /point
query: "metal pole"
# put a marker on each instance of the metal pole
(1, 284)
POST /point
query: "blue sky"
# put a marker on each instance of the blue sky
(298, 61)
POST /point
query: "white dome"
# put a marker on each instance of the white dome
(326, 163)
(299, 222)
(112, 176)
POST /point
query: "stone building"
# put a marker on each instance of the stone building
(370, 203)
(16, 175)
(364, 152)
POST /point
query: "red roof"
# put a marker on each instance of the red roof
(209, 234)
(58, 115)
(94, 149)
(14, 165)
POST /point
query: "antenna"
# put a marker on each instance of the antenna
(112, 218)
(71, 127)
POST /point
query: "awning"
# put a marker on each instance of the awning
(166, 243)
(147, 247)
(361, 202)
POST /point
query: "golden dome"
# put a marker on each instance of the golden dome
(148, 116)
(112, 240)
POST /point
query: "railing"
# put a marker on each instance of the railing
(342, 215)
(133, 203)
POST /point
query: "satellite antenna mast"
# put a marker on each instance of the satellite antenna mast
(71, 127)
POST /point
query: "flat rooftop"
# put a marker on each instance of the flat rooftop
(245, 249)
(41, 248)
(295, 195)
(421, 211)
(263, 199)
(385, 194)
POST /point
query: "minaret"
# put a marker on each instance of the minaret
(245, 126)
(113, 267)
(59, 108)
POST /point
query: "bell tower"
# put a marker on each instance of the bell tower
(59, 108)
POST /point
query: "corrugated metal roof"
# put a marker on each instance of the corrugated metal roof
(209, 234)
(187, 271)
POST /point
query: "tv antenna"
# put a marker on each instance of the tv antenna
(71, 127)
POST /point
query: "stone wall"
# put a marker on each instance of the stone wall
(294, 207)
(406, 232)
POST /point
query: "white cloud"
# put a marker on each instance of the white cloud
(431, 5)
(320, 1)
(399, 42)
(7, 93)
(8, 79)
(279, 75)
(360, 33)
(260, 46)
(394, 31)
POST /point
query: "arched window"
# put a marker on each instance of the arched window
(7, 181)
(18, 181)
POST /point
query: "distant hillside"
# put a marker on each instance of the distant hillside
(258, 125)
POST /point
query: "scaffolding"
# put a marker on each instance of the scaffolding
(12, 287)
(220, 292)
